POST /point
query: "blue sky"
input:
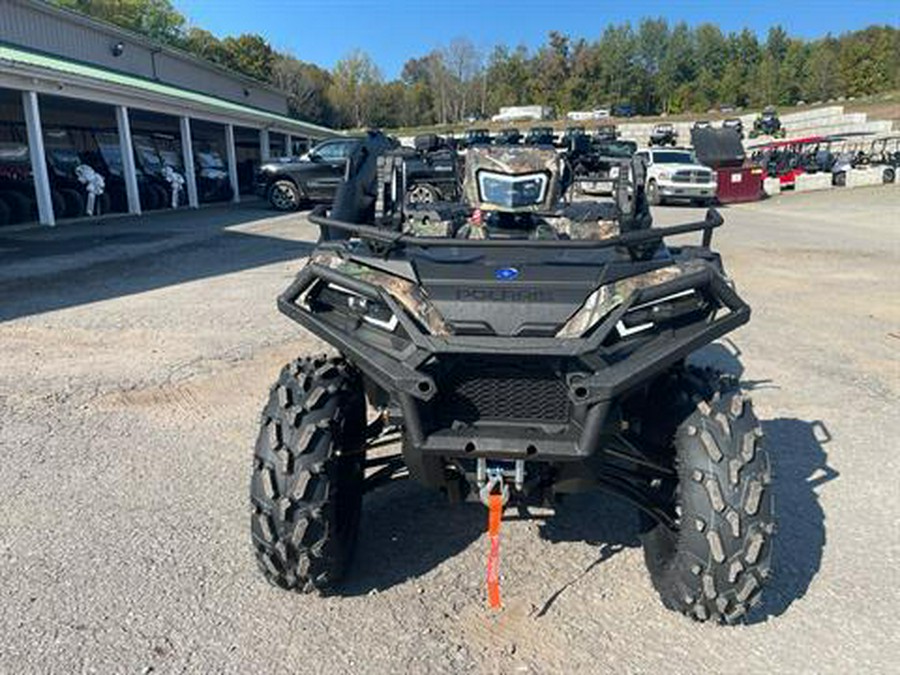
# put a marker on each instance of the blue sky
(322, 31)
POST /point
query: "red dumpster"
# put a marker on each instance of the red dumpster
(722, 150)
(739, 184)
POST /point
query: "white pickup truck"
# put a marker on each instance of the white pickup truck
(673, 173)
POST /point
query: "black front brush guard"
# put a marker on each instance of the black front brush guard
(398, 370)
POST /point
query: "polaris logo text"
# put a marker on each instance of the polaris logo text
(504, 294)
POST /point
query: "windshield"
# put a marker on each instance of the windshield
(108, 144)
(146, 154)
(670, 157)
(63, 158)
(171, 158)
(210, 160)
(623, 149)
(13, 153)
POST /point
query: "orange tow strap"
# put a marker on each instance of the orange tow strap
(495, 513)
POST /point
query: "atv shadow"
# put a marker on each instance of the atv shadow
(406, 531)
(596, 518)
(399, 539)
(800, 467)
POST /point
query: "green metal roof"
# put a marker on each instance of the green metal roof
(34, 59)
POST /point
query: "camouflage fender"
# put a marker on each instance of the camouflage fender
(413, 298)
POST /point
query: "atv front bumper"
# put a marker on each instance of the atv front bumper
(534, 398)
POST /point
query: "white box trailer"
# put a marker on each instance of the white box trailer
(587, 115)
(517, 113)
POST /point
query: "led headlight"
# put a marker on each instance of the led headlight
(512, 190)
(372, 312)
(608, 297)
(411, 297)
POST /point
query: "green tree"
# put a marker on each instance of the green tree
(306, 86)
(354, 80)
(250, 54)
(157, 19)
(508, 75)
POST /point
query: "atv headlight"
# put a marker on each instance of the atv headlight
(411, 297)
(512, 191)
(608, 297)
(345, 301)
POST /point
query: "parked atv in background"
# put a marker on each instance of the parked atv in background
(768, 124)
(540, 136)
(68, 194)
(213, 184)
(509, 136)
(432, 171)
(735, 124)
(606, 132)
(571, 136)
(475, 137)
(595, 163)
(17, 203)
(521, 348)
(664, 134)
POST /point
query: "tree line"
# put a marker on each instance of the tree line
(654, 67)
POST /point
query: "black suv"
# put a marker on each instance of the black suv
(313, 178)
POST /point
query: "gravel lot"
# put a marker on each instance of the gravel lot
(136, 355)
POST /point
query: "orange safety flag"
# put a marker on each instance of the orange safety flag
(495, 513)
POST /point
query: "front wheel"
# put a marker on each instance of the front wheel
(284, 196)
(714, 563)
(307, 483)
(653, 195)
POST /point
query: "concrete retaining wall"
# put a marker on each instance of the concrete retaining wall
(772, 186)
(863, 177)
(807, 182)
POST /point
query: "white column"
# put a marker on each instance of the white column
(38, 159)
(232, 164)
(264, 152)
(288, 145)
(128, 166)
(187, 153)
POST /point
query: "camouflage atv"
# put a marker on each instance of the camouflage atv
(523, 347)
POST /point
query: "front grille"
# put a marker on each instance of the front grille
(473, 390)
(692, 177)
